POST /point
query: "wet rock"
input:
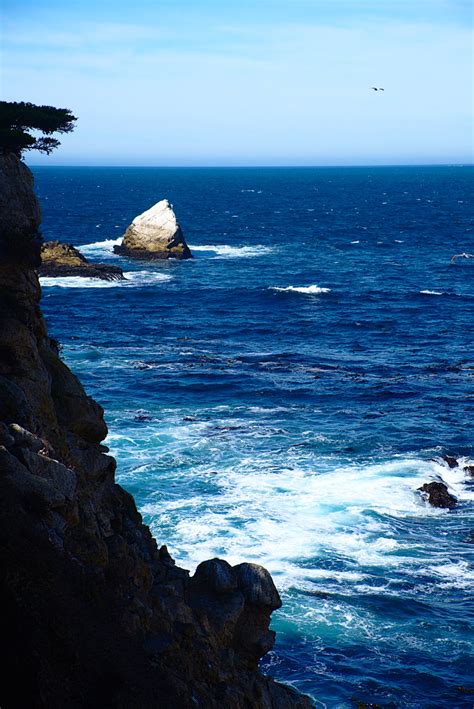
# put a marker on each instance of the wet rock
(155, 234)
(451, 461)
(438, 495)
(469, 469)
(59, 260)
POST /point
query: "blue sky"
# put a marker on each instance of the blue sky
(267, 82)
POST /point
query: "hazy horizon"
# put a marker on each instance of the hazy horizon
(247, 84)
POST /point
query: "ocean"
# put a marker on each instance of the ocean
(280, 398)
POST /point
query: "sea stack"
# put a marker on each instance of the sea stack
(155, 234)
(59, 259)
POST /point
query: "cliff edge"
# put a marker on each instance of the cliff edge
(93, 612)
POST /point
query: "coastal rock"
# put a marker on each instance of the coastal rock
(257, 585)
(20, 212)
(438, 495)
(59, 259)
(93, 612)
(451, 461)
(155, 234)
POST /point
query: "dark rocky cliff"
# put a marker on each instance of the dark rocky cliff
(93, 612)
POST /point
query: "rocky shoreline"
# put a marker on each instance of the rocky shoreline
(59, 260)
(94, 612)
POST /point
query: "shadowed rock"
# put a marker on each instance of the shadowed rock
(155, 234)
(451, 461)
(59, 259)
(438, 495)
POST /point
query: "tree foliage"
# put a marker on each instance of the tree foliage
(19, 119)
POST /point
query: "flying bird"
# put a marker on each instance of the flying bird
(374, 88)
(463, 255)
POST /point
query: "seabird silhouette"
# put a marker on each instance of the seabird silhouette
(374, 88)
(463, 255)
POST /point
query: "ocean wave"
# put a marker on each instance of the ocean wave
(100, 247)
(134, 279)
(308, 290)
(227, 251)
(352, 512)
(432, 292)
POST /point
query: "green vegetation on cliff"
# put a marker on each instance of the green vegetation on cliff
(18, 119)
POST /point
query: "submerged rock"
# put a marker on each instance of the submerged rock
(59, 259)
(155, 234)
(438, 495)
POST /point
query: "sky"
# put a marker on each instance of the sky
(240, 82)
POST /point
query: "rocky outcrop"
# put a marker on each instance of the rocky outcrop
(94, 612)
(454, 463)
(19, 211)
(155, 234)
(438, 495)
(59, 259)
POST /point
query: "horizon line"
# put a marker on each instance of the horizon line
(257, 167)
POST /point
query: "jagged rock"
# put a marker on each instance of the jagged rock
(469, 469)
(6, 439)
(25, 439)
(59, 259)
(93, 614)
(438, 495)
(155, 234)
(257, 585)
(217, 575)
(451, 461)
(20, 212)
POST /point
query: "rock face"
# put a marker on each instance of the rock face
(438, 495)
(65, 260)
(155, 234)
(94, 613)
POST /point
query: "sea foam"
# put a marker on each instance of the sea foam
(308, 290)
(226, 251)
(100, 247)
(133, 279)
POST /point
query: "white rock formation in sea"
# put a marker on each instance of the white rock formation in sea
(155, 234)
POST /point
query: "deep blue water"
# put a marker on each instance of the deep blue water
(281, 397)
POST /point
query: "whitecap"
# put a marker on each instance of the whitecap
(100, 247)
(431, 292)
(226, 251)
(135, 279)
(308, 290)
(355, 242)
